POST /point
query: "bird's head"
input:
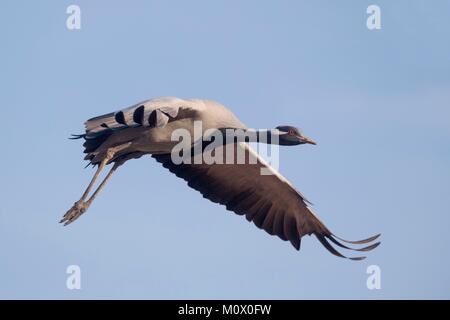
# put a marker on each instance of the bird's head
(289, 136)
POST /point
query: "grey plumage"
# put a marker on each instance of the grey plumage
(270, 201)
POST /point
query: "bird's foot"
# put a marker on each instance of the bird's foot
(75, 212)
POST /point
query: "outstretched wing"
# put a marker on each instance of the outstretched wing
(152, 113)
(270, 201)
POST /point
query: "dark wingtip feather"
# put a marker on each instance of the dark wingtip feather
(357, 258)
(368, 248)
(370, 239)
(330, 248)
(371, 247)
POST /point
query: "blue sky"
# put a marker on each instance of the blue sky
(377, 102)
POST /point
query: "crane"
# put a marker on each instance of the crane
(270, 201)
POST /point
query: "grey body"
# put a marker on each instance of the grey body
(154, 137)
(270, 201)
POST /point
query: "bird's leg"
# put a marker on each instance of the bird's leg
(100, 187)
(94, 178)
(81, 205)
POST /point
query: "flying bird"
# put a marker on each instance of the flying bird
(269, 200)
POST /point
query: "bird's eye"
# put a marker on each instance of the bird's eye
(291, 132)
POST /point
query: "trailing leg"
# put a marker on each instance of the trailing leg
(82, 205)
